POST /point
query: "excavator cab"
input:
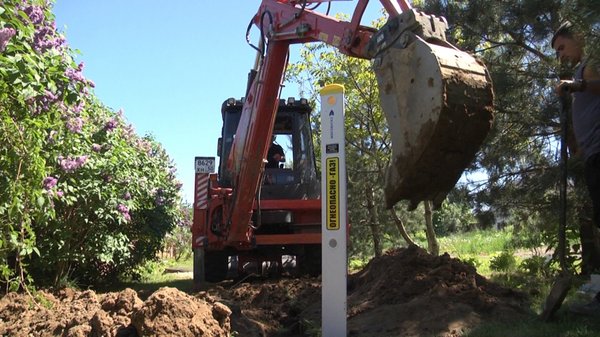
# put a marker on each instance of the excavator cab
(296, 177)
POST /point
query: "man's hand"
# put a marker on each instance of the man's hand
(566, 86)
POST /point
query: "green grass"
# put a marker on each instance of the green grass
(479, 242)
(154, 277)
(183, 264)
(567, 325)
(478, 247)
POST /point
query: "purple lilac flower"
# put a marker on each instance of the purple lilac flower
(42, 39)
(35, 13)
(59, 193)
(96, 147)
(75, 75)
(69, 164)
(127, 196)
(5, 35)
(62, 107)
(42, 104)
(46, 38)
(144, 145)
(111, 124)
(50, 96)
(122, 208)
(81, 160)
(124, 211)
(78, 108)
(75, 125)
(49, 182)
(129, 132)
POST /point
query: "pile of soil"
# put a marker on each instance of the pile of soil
(406, 292)
(70, 313)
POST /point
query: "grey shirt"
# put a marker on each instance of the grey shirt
(586, 118)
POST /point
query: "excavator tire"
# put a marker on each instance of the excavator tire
(438, 103)
(309, 261)
(216, 266)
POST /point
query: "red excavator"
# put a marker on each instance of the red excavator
(438, 104)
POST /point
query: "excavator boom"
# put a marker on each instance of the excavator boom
(437, 99)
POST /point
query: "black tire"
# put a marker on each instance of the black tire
(309, 261)
(215, 266)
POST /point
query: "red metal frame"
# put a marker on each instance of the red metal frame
(284, 23)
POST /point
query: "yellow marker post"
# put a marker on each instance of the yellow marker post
(333, 214)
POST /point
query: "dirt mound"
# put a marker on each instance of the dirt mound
(73, 313)
(408, 292)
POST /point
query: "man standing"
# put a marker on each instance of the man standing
(585, 89)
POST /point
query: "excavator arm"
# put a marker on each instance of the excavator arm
(437, 100)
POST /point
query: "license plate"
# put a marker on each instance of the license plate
(205, 164)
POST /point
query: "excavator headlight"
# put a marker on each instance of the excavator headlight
(291, 101)
(303, 101)
(231, 101)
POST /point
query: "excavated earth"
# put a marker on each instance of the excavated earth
(406, 292)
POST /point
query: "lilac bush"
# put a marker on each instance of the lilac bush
(5, 35)
(78, 187)
(49, 183)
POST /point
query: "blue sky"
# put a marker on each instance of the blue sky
(170, 65)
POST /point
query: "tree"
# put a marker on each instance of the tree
(520, 157)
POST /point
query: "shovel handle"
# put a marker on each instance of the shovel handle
(564, 156)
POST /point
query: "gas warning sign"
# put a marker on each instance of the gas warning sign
(333, 194)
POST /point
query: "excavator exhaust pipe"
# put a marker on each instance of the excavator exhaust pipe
(438, 103)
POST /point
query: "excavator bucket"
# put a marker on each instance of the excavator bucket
(438, 103)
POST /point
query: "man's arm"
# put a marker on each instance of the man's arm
(591, 77)
(589, 83)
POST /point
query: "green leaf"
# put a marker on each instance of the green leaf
(40, 201)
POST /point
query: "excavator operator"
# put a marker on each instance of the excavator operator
(275, 155)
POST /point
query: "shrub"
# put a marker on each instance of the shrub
(472, 261)
(534, 265)
(81, 195)
(504, 262)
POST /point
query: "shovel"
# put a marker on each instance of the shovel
(562, 283)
